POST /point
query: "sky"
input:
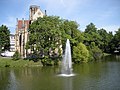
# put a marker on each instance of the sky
(103, 13)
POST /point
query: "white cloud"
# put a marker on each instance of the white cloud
(78, 10)
(61, 8)
(110, 28)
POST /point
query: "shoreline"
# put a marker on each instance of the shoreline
(8, 62)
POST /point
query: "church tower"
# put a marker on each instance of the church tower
(21, 35)
(35, 12)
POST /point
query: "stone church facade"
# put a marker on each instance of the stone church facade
(22, 35)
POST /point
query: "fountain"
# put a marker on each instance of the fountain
(66, 69)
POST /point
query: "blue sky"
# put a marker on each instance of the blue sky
(103, 13)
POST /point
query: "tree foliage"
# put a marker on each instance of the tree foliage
(117, 38)
(91, 35)
(115, 42)
(45, 35)
(105, 40)
(4, 38)
(80, 53)
(16, 56)
(95, 52)
(48, 34)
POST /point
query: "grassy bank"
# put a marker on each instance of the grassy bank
(8, 62)
(106, 54)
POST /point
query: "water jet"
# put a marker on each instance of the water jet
(66, 67)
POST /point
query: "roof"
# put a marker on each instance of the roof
(23, 23)
(34, 6)
(12, 35)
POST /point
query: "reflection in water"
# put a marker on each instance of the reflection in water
(68, 83)
(4, 78)
(12, 81)
(102, 75)
(117, 57)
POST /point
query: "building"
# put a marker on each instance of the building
(12, 42)
(21, 36)
(10, 53)
(35, 13)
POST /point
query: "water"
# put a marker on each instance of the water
(103, 75)
(67, 61)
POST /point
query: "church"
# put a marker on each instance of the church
(22, 34)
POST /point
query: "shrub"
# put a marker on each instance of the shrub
(80, 53)
(16, 56)
(95, 52)
(47, 62)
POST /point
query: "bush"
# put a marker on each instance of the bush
(95, 52)
(16, 56)
(47, 62)
(80, 53)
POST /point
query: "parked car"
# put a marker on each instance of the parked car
(7, 54)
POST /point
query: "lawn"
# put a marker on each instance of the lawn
(8, 62)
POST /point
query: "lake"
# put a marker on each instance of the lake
(100, 75)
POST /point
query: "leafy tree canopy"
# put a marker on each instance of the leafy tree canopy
(91, 35)
(80, 53)
(50, 32)
(4, 38)
(116, 39)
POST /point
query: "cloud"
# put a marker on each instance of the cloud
(110, 28)
(82, 11)
(63, 8)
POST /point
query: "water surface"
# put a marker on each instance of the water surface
(102, 75)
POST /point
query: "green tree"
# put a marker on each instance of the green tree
(90, 28)
(105, 40)
(95, 52)
(80, 53)
(4, 38)
(50, 32)
(45, 35)
(16, 56)
(116, 40)
(91, 35)
(94, 40)
(110, 44)
(70, 31)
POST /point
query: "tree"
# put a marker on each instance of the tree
(16, 56)
(104, 39)
(90, 28)
(4, 38)
(91, 35)
(80, 53)
(70, 31)
(45, 36)
(95, 39)
(95, 52)
(116, 40)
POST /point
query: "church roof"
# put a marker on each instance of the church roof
(22, 23)
(34, 6)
